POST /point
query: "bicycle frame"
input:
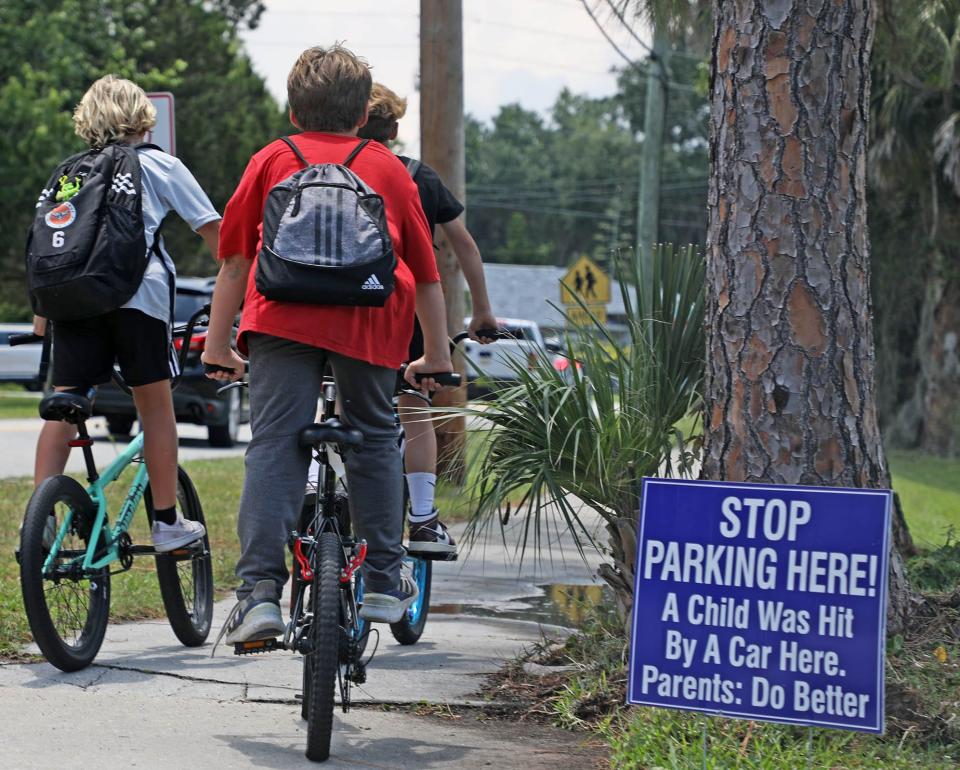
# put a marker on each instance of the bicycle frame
(96, 558)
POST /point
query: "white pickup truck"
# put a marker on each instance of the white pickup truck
(491, 365)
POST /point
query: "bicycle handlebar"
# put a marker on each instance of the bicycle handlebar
(23, 339)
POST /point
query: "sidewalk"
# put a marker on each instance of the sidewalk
(148, 702)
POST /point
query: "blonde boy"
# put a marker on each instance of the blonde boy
(137, 335)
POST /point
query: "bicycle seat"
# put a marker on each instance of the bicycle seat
(66, 407)
(331, 432)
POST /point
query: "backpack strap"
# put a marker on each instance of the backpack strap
(148, 146)
(296, 151)
(413, 166)
(355, 152)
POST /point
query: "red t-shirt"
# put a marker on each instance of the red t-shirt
(378, 335)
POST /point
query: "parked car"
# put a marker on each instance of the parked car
(494, 365)
(22, 363)
(195, 400)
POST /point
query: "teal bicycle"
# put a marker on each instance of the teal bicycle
(69, 550)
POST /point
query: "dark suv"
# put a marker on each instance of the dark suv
(195, 400)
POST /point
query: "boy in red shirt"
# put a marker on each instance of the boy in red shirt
(289, 344)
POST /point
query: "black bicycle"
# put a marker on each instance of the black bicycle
(325, 625)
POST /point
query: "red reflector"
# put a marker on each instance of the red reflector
(197, 342)
(80, 442)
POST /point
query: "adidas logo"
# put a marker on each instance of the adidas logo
(372, 284)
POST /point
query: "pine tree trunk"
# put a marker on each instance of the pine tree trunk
(790, 356)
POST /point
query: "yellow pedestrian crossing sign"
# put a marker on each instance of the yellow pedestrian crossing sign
(586, 282)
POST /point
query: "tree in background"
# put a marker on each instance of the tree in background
(56, 49)
(544, 191)
(916, 170)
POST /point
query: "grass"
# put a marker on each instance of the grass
(929, 489)
(15, 402)
(135, 594)
(923, 677)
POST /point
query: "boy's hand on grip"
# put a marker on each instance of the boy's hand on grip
(229, 365)
(427, 364)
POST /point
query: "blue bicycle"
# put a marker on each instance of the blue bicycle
(68, 547)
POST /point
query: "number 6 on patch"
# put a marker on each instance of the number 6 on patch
(57, 239)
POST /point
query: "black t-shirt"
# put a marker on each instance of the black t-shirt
(439, 204)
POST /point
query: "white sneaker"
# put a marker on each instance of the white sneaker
(169, 537)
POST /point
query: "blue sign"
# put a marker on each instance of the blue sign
(761, 601)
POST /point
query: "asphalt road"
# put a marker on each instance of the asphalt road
(18, 442)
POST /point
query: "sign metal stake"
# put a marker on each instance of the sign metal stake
(809, 748)
(704, 745)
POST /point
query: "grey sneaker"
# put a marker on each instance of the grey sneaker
(390, 607)
(431, 537)
(169, 537)
(256, 617)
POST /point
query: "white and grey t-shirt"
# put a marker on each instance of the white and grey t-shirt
(168, 186)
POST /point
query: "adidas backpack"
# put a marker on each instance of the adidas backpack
(86, 250)
(325, 239)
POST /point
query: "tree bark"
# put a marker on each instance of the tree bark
(790, 356)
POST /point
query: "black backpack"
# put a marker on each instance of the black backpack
(86, 251)
(325, 238)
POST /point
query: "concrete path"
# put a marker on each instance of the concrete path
(148, 702)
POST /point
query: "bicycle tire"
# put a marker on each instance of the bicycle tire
(324, 645)
(189, 607)
(50, 498)
(410, 629)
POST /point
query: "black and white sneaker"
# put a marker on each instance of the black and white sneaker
(431, 537)
(255, 617)
(389, 607)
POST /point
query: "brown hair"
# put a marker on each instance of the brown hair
(113, 109)
(386, 108)
(328, 89)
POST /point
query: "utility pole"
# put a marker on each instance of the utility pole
(442, 147)
(651, 160)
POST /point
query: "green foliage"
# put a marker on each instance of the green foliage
(543, 191)
(595, 436)
(191, 48)
(937, 570)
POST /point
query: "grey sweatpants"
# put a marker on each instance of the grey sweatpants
(285, 383)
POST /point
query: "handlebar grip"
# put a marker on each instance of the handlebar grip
(23, 339)
(449, 379)
(490, 334)
(216, 368)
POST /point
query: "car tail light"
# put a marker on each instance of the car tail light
(197, 342)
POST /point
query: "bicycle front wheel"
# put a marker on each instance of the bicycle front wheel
(67, 607)
(186, 575)
(323, 658)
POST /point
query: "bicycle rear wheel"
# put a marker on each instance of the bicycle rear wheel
(186, 575)
(410, 629)
(66, 607)
(324, 645)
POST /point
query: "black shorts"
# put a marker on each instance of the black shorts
(416, 342)
(84, 352)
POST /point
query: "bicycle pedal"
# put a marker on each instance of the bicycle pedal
(257, 646)
(428, 556)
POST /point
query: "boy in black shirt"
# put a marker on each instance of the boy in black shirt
(427, 532)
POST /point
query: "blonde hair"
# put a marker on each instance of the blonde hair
(386, 109)
(328, 89)
(113, 109)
